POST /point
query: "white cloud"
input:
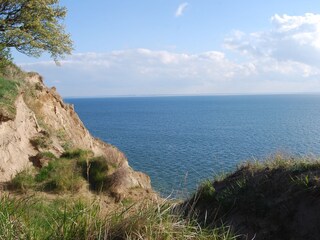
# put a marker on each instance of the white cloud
(292, 38)
(139, 71)
(181, 8)
(285, 58)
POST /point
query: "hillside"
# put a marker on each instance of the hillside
(276, 199)
(35, 122)
(59, 182)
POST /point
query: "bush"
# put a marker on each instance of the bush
(41, 142)
(23, 181)
(96, 172)
(60, 175)
(79, 154)
(47, 155)
(207, 190)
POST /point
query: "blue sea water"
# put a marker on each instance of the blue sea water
(180, 141)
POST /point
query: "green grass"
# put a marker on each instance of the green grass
(79, 154)
(253, 182)
(60, 175)
(8, 94)
(266, 193)
(96, 171)
(72, 171)
(47, 155)
(35, 218)
(23, 181)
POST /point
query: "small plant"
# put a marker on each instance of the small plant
(207, 190)
(47, 155)
(41, 142)
(302, 180)
(61, 134)
(79, 154)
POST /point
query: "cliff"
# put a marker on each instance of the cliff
(35, 120)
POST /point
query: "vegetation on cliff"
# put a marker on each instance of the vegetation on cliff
(275, 199)
(74, 218)
(11, 79)
(69, 173)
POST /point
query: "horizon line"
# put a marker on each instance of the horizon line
(192, 95)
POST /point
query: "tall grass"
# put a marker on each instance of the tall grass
(34, 218)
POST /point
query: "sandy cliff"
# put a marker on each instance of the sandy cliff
(44, 123)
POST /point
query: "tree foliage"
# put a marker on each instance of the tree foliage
(33, 27)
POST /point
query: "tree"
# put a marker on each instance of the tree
(33, 27)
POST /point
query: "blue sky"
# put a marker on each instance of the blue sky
(186, 48)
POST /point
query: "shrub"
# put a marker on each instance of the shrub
(79, 154)
(96, 172)
(23, 181)
(47, 155)
(41, 141)
(60, 175)
(207, 190)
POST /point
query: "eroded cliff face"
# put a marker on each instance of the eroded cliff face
(44, 123)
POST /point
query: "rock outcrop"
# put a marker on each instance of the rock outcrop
(44, 123)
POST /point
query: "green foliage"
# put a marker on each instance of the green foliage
(47, 155)
(23, 181)
(8, 94)
(34, 218)
(158, 222)
(37, 219)
(33, 27)
(10, 227)
(13, 72)
(64, 140)
(67, 173)
(96, 172)
(44, 173)
(261, 197)
(207, 190)
(79, 154)
(60, 175)
(5, 58)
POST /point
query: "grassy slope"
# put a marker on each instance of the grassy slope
(277, 199)
(11, 78)
(62, 218)
(8, 95)
(57, 215)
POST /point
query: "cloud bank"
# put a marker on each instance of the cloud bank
(284, 58)
(181, 8)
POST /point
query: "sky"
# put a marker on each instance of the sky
(170, 47)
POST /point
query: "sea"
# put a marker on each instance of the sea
(182, 141)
